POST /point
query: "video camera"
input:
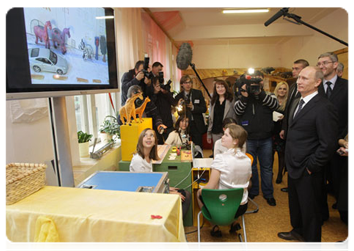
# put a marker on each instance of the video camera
(146, 67)
(253, 84)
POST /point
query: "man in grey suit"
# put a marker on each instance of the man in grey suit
(310, 144)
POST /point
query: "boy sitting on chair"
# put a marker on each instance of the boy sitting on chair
(231, 169)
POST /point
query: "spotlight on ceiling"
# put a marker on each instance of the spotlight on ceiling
(245, 11)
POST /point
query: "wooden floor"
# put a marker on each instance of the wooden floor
(264, 225)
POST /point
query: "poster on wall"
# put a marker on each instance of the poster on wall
(67, 45)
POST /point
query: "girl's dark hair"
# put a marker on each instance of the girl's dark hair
(228, 120)
(180, 118)
(140, 148)
(228, 93)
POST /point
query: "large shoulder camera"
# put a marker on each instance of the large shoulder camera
(253, 84)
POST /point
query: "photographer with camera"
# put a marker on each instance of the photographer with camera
(194, 106)
(254, 109)
(137, 76)
(163, 100)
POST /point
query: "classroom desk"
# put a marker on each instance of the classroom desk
(89, 215)
(179, 174)
(127, 181)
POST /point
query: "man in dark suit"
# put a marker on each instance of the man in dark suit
(310, 143)
(294, 96)
(336, 90)
(195, 107)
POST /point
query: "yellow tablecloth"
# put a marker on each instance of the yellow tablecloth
(88, 215)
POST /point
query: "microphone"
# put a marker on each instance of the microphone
(280, 13)
(184, 56)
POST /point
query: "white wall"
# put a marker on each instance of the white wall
(235, 56)
(27, 141)
(309, 48)
(276, 55)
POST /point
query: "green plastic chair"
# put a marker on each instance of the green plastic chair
(220, 207)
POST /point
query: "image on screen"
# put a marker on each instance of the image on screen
(67, 45)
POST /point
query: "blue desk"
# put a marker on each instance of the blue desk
(127, 181)
(179, 173)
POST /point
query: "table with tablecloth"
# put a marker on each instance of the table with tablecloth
(90, 215)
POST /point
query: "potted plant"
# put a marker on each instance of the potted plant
(83, 140)
(110, 128)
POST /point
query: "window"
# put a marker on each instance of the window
(90, 111)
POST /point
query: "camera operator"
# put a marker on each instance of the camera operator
(254, 109)
(163, 100)
(194, 105)
(156, 68)
(134, 76)
(156, 72)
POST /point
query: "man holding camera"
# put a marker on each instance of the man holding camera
(254, 109)
(134, 76)
(194, 106)
(163, 100)
(140, 78)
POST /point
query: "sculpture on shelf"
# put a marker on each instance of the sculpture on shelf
(140, 110)
(128, 110)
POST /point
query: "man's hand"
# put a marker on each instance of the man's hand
(147, 81)
(282, 134)
(190, 106)
(244, 91)
(140, 75)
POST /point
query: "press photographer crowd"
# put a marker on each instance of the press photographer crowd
(304, 120)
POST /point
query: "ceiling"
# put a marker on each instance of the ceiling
(209, 26)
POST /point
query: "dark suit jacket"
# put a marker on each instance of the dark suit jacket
(312, 137)
(339, 99)
(290, 101)
(199, 108)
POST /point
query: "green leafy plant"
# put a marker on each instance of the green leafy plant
(83, 137)
(110, 125)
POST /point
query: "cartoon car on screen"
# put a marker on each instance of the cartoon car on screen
(42, 59)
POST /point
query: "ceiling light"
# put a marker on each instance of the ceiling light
(105, 17)
(245, 11)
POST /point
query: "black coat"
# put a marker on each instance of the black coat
(199, 108)
(339, 98)
(312, 137)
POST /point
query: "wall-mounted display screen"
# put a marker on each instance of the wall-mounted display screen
(60, 51)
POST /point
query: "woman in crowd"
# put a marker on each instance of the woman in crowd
(220, 108)
(231, 169)
(146, 152)
(281, 92)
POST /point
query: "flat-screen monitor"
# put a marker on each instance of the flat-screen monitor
(53, 52)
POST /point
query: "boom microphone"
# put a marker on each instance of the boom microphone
(280, 13)
(184, 56)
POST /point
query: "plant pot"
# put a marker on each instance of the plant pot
(105, 137)
(84, 149)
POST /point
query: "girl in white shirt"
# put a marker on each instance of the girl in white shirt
(231, 169)
(146, 152)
